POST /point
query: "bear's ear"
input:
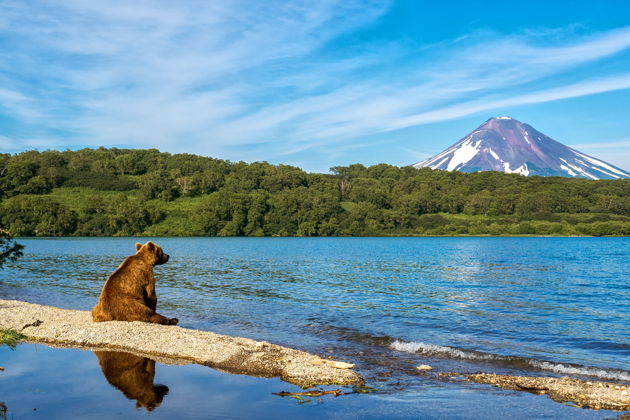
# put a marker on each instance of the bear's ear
(150, 246)
(138, 246)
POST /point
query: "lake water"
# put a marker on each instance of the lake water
(534, 306)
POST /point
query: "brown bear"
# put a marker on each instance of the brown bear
(133, 376)
(129, 293)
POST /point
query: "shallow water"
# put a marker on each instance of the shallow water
(45, 383)
(519, 305)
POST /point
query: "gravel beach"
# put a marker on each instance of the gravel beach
(175, 345)
(586, 394)
(62, 327)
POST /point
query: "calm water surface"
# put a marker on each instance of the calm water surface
(520, 305)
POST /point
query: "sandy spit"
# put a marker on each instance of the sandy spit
(586, 394)
(62, 327)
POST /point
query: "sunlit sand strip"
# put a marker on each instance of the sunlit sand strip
(231, 354)
(586, 394)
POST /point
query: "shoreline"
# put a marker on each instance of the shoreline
(594, 395)
(72, 328)
(63, 328)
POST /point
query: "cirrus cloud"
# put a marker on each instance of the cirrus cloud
(243, 80)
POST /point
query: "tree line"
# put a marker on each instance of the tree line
(108, 192)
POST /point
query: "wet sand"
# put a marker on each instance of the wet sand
(73, 328)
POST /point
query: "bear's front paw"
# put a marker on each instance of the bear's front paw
(173, 321)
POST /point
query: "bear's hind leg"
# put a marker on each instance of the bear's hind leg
(132, 310)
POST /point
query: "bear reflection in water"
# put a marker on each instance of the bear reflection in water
(133, 376)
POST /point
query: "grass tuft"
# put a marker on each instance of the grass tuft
(10, 337)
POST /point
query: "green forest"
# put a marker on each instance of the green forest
(120, 192)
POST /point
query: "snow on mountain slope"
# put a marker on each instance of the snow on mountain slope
(507, 145)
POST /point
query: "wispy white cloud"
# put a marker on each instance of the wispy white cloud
(219, 77)
(587, 87)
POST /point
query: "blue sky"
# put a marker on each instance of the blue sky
(311, 83)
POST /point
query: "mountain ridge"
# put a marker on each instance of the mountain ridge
(507, 145)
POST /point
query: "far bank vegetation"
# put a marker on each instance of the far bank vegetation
(116, 192)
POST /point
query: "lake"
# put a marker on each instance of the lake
(533, 306)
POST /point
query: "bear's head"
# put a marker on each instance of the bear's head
(152, 252)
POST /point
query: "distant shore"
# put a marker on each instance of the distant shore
(150, 193)
(62, 327)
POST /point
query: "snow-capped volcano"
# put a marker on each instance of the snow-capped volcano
(507, 145)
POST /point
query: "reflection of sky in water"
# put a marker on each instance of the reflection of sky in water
(41, 382)
(562, 299)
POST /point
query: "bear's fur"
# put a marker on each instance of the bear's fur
(129, 293)
(133, 376)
